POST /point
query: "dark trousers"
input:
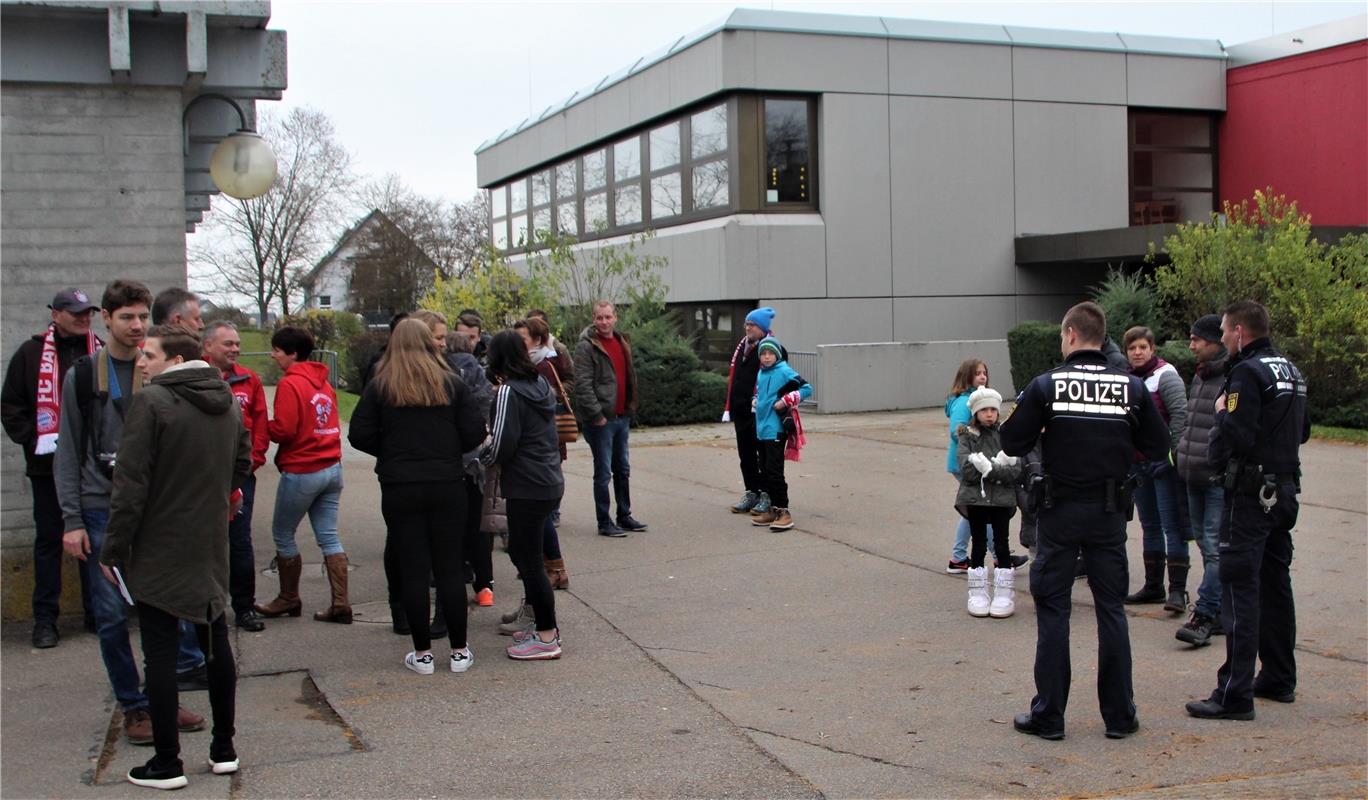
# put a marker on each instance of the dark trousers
(526, 531)
(608, 443)
(980, 517)
(426, 526)
(241, 560)
(1063, 532)
(479, 549)
(160, 642)
(1256, 598)
(47, 553)
(772, 473)
(748, 451)
(550, 540)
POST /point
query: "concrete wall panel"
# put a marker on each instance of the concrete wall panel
(854, 193)
(1071, 167)
(806, 63)
(738, 59)
(649, 92)
(1167, 82)
(922, 319)
(897, 375)
(613, 110)
(952, 205)
(805, 324)
(1068, 76)
(696, 72)
(949, 69)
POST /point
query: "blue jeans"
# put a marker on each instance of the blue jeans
(1156, 502)
(111, 618)
(317, 494)
(608, 443)
(1205, 504)
(960, 552)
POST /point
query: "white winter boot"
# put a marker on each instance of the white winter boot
(978, 592)
(1004, 596)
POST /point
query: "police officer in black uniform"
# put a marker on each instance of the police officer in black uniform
(1094, 418)
(1261, 423)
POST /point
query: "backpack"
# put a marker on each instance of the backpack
(92, 392)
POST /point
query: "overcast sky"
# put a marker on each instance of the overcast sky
(414, 88)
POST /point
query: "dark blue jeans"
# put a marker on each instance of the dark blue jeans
(241, 560)
(1205, 502)
(111, 619)
(608, 443)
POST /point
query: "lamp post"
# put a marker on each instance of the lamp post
(242, 165)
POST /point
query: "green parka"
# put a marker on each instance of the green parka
(183, 453)
(998, 488)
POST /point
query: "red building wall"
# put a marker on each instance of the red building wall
(1300, 125)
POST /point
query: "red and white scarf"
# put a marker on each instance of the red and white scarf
(49, 401)
(738, 354)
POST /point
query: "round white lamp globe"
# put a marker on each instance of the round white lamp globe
(243, 166)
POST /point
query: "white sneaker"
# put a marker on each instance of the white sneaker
(978, 592)
(462, 660)
(1004, 595)
(419, 664)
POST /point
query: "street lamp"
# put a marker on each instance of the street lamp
(242, 165)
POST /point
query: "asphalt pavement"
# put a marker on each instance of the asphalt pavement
(710, 658)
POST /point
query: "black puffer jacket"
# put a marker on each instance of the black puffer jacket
(1194, 463)
(417, 444)
(523, 441)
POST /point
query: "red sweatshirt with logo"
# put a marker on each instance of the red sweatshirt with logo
(306, 424)
(251, 398)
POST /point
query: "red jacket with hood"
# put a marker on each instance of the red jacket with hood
(306, 424)
(251, 398)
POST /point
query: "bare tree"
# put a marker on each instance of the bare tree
(469, 225)
(451, 234)
(266, 245)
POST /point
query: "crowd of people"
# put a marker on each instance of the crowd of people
(469, 433)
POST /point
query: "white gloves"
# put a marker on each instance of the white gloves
(1004, 460)
(981, 463)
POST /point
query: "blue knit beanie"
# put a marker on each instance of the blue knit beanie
(762, 317)
(773, 344)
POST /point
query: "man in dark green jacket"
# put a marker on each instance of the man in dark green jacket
(184, 452)
(605, 397)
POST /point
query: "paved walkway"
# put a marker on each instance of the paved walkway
(708, 658)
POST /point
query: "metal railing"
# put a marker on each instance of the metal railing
(805, 364)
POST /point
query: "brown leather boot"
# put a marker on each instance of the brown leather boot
(340, 611)
(287, 602)
(555, 570)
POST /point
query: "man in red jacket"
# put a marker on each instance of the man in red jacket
(222, 345)
(309, 457)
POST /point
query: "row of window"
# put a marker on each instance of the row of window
(676, 171)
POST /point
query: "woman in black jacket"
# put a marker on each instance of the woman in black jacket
(417, 418)
(523, 442)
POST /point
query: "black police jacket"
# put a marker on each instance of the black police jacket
(1090, 417)
(1264, 420)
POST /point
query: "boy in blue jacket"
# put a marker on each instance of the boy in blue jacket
(778, 390)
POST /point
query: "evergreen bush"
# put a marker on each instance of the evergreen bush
(1033, 347)
(1176, 352)
(1128, 300)
(360, 350)
(674, 387)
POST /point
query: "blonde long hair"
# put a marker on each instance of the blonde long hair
(412, 373)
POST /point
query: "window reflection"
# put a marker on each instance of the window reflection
(541, 221)
(565, 180)
(567, 219)
(518, 195)
(500, 236)
(519, 237)
(708, 131)
(665, 146)
(627, 159)
(595, 170)
(786, 151)
(498, 201)
(596, 212)
(541, 188)
(627, 205)
(711, 184)
(666, 196)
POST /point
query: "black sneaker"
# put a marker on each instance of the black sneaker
(159, 776)
(193, 680)
(1210, 709)
(1197, 630)
(223, 758)
(250, 621)
(1126, 730)
(1289, 696)
(45, 635)
(609, 529)
(957, 567)
(627, 523)
(1027, 723)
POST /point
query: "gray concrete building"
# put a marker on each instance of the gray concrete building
(869, 177)
(101, 176)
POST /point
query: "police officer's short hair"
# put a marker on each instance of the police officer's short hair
(1135, 334)
(1088, 320)
(1250, 314)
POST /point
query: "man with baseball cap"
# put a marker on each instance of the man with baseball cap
(30, 404)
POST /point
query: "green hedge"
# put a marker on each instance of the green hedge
(1176, 352)
(675, 388)
(360, 350)
(1033, 347)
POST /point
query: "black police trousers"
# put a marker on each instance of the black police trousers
(1071, 527)
(1256, 598)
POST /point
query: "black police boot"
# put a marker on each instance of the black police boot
(1153, 590)
(1177, 601)
(1028, 724)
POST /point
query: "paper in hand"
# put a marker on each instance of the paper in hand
(123, 587)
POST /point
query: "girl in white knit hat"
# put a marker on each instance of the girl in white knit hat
(987, 496)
